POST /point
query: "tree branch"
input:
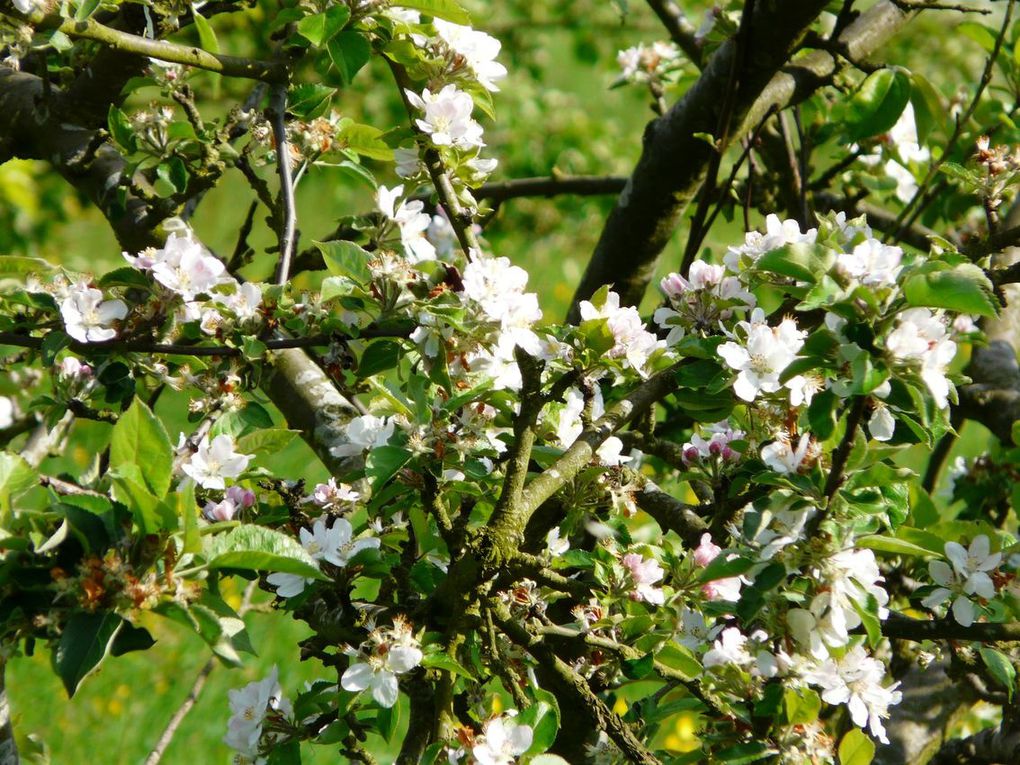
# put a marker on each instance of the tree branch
(674, 162)
(174, 53)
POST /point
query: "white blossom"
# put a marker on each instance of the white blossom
(766, 352)
(411, 221)
(183, 266)
(856, 680)
(334, 544)
(364, 432)
(87, 317)
(643, 62)
(631, 341)
(872, 263)
(478, 49)
(881, 424)
(729, 648)
(249, 707)
(781, 457)
(922, 337)
(968, 576)
(777, 234)
(378, 672)
(214, 462)
(447, 117)
(502, 741)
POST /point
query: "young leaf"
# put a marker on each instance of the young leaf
(1002, 669)
(206, 36)
(86, 640)
(261, 549)
(878, 103)
(856, 748)
(345, 258)
(140, 438)
(349, 51)
(963, 288)
(440, 9)
(320, 28)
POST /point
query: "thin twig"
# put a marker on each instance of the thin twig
(903, 219)
(156, 755)
(185, 349)
(288, 219)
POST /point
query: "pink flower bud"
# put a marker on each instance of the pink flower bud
(240, 496)
(691, 454)
(706, 552)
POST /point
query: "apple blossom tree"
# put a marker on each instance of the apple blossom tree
(534, 541)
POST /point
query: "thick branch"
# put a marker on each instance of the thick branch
(674, 162)
(905, 628)
(174, 53)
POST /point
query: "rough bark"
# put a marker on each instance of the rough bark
(673, 162)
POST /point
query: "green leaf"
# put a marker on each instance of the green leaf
(447, 663)
(150, 514)
(892, 545)
(741, 754)
(86, 9)
(680, 658)
(928, 109)
(206, 36)
(802, 261)
(321, 27)
(16, 477)
(379, 357)
(120, 128)
(721, 568)
(84, 643)
(187, 510)
(347, 259)
(140, 438)
(349, 52)
(366, 141)
(1002, 668)
(270, 441)
(384, 462)
(19, 265)
(801, 706)
(310, 100)
(441, 9)
(261, 549)
(544, 720)
(964, 288)
(878, 103)
(856, 748)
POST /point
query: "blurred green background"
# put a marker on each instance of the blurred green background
(556, 113)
